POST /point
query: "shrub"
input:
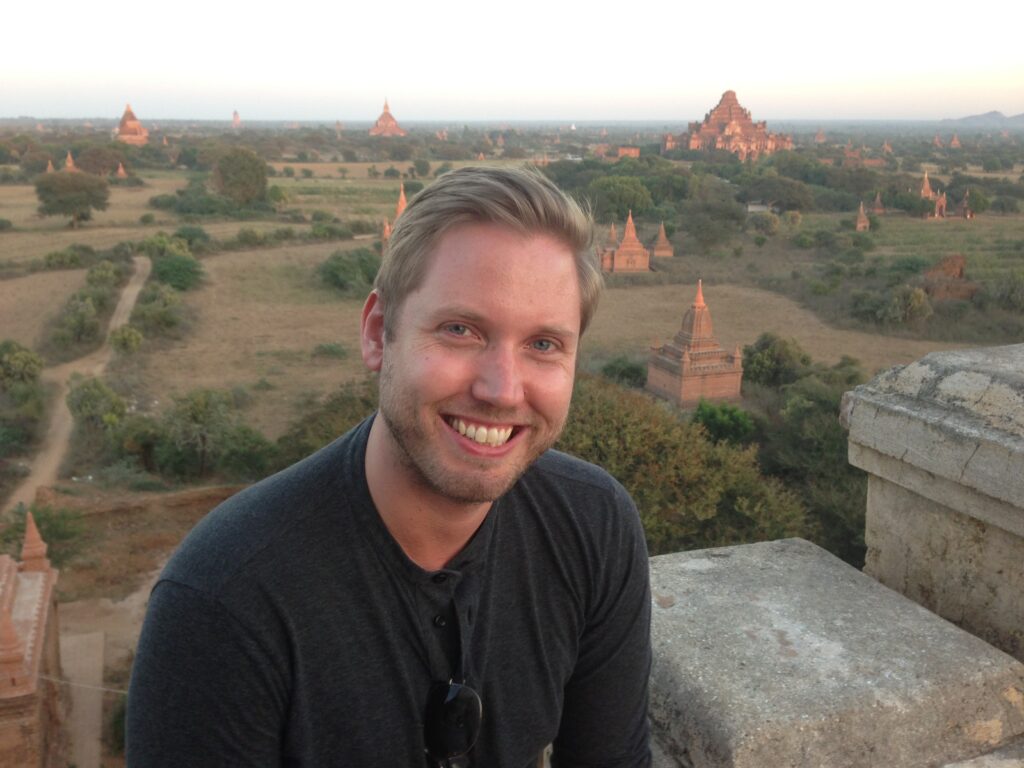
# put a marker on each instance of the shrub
(330, 232)
(249, 236)
(334, 350)
(5, 224)
(350, 271)
(147, 218)
(179, 271)
(126, 340)
(193, 235)
(626, 372)
(724, 422)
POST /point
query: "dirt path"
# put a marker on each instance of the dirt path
(47, 462)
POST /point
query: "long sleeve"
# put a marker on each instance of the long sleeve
(604, 719)
(203, 689)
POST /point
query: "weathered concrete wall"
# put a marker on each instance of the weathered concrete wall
(778, 654)
(943, 442)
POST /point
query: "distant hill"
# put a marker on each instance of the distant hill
(989, 120)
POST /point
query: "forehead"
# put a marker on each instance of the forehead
(487, 264)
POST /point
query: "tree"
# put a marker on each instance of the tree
(724, 422)
(126, 340)
(774, 361)
(95, 404)
(615, 196)
(241, 175)
(198, 421)
(69, 193)
(18, 364)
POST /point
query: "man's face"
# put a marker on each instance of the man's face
(476, 380)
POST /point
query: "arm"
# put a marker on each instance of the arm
(604, 719)
(203, 690)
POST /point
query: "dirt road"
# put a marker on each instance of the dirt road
(46, 464)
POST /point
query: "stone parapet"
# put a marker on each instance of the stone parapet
(942, 440)
(779, 654)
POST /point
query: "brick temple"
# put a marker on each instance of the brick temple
(130, 130)
(729, 126)
(30, 704)
(399, 207)
(627, 255)
(693, 366)
(662, 248)
(386, 124)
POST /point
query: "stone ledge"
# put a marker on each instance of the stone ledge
(779, 654)
(956, 415)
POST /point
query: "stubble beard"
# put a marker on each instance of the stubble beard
(423, 460)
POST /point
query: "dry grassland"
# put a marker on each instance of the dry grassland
(259, 316)
(26, 303)
(630, 320)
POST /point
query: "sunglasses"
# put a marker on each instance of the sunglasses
(451, 723)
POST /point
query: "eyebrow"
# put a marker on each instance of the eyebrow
(465, 313)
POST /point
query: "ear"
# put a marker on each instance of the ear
(371, 331)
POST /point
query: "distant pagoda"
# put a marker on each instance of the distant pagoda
(130, 130)
(386, 124)
(693, 366)
(729, 126)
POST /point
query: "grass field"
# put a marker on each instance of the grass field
(26, 303)
(258, 319)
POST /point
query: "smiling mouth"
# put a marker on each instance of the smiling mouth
(480, 433)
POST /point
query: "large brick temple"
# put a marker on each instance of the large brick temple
(386, 124)
(729, 126)
(693, 366)
(130, 130)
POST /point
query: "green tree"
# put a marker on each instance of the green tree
(126, 340)
(690, 491)
(764, 222)
(18, 364)
(78, 320)
(774, 361)
(198, 422)
(95, 404)
(241, 175)
(724, 422)
(68, 193)
(613, 197)
(422, 167)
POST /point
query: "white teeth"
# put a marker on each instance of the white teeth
(493, 436)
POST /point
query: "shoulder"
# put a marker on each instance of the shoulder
(282, 513)
(578, 480)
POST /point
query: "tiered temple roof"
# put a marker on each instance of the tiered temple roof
(130, 130)
(693, 366)
(628, 255)
(729, 126)
(69, 162)
(926, 188)
(386, 124)
(863, 222)
(662, 247)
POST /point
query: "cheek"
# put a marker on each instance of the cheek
(552, 392)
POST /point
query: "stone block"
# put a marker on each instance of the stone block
(943, 442)
(779, 654)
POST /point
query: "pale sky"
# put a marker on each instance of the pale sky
(456, 60)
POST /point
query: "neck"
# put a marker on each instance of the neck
(431, 529)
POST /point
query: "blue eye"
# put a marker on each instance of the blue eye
(543, 345)
(457, 329)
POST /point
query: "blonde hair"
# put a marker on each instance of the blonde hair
(520, 199)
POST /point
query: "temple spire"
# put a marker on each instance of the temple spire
(401, 200)
(33, 550)
(699, 300)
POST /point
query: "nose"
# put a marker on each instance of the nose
(499, 380)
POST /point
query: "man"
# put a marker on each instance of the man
(436, 587)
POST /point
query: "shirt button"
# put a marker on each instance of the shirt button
(440, 578)
(440, 621)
